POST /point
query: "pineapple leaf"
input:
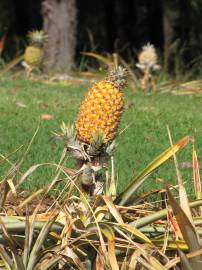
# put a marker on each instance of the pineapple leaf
(37, 37)
(96, 144)
(34, 255)
(185, 264)
(27, 242)
(135, 183)
(7, 261)
(51, 262)
(104, 59)
(111, 148)
(13, 247)
(187, 229)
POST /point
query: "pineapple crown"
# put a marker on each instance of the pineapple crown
(149, 47)
(118, 76)
(37, 37)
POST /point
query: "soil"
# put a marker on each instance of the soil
(11, 204)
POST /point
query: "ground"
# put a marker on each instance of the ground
(25, 104)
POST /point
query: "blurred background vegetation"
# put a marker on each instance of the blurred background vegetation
(174, 27)
(103, 27)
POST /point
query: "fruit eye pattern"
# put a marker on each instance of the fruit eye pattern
(102, 107)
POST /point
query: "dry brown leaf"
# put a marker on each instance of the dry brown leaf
(47, 116)
(174, 225)
(20, 104)
(112, 255)
(133, 259)
(184, 202)
(99, 263)
(196, 174)
(113, 210)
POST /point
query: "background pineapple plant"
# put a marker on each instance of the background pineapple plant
(147, 63)
(34, 51)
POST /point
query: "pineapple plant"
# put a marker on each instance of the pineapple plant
(92, 142)
(148, 55)
(34, 51)
(97, 124)
(147, 63)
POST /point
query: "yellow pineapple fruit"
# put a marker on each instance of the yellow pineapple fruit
(102, 107)
(34, 51)
(33, 56)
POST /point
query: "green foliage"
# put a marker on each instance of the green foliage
(144, 124)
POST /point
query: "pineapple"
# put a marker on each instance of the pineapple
(34, 51)
(147, 63)
(101, 109)
(148, 55)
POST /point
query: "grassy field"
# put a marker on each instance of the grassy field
(22, 102)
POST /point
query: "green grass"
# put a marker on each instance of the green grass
(146, 136)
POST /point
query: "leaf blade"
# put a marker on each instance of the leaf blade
(159, 160)
(187, 229)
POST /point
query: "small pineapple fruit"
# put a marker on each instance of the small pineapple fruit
(147, 63)
(34, 51)
(102, 107)
(148, 55)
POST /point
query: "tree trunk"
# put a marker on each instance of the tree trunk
(60, 22)
(171, 15)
